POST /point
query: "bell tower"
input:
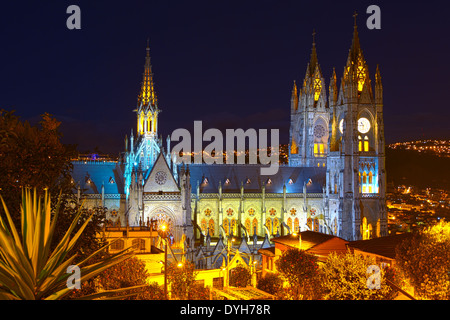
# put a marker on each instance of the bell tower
(144, 148)
(356, 173)
(308, 136)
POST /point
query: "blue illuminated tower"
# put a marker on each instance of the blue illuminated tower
(145, 147)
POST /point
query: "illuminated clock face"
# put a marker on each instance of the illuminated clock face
(341, 126)
(363, 125)
(160, 177)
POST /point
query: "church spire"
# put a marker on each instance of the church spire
(355, 49)
(355, 71)
(313, 82)
(294, 98)
(313, 61)
(147, 94)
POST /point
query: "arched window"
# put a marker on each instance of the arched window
(255, 226)
(366, 144)
(316, 224)
(203, 226)
(234, 227)
(211, 227)
(366, 229)
(269, 225)
(364, 182)
(248, 226)
(296, 225)
(289, 224)
(309, 223)
(276, 225)
(294, 148)
(226, 226)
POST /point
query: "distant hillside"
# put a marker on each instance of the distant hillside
(418, 169)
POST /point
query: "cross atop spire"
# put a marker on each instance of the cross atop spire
(313, 61)
(355, 49)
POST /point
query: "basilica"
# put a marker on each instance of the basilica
(334, 183)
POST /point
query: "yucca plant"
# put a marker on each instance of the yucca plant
(29, 269)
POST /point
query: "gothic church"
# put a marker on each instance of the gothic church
(334, 183)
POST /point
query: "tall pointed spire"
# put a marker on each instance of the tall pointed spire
(355, 49)
(356, 67)
(333, 90)
(294, 98)
(378, 87)
(147, 94)
(313, 61)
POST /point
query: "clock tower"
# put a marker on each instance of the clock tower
(356, 176)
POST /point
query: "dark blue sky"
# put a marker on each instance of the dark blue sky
(228, 63)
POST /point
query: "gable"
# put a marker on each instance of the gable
(322, 250)
(161, 178)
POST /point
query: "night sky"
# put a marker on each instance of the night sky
(228, 63)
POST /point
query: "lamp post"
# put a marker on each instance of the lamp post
(299, 239)
(163, 235)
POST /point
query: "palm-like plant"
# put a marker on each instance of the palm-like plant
(29, 269)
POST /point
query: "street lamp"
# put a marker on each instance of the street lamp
(163, 235)
(299, 239)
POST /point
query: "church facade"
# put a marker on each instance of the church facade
(334, 182)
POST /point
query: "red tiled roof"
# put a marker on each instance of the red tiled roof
(383, 246)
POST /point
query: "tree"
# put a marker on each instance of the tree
(29, 268)
(240, 276)
(425, 260)
(181, 278)
(270, 283)
(32, 156)
(89, 241)
(300, 270)
(128, 273)
(345, 277)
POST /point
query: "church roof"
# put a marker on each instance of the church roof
(232, 176)
(91, 175)
(310, 239)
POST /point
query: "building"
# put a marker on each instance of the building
(334, 183)
(317, 244)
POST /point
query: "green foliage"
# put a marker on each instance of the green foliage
(88, 241)
(271, 283)
(425, 261)
(32, 156)
(344, 277)
(181, 279)
(29, 268)
(240, 276)
(198, 292)
(301, 271)
(128, 273)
